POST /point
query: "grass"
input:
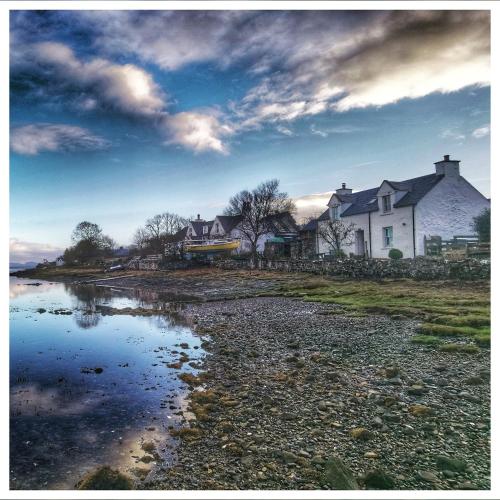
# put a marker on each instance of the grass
(425, 340)
(466, 348)
(447, 309)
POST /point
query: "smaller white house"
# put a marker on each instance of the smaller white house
(229, 227)
(401, 214)
(199, 229)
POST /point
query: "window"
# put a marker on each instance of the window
(205, 229)
(217, 228)
(335, 212)
(387, 236)
(386, 203)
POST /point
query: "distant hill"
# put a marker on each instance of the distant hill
(26, 265)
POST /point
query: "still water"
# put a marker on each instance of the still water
(88, 390)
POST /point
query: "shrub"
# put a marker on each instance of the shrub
(395, 254)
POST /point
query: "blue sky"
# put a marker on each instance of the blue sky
(117, 116)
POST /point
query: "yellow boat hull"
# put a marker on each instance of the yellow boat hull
(216, 247)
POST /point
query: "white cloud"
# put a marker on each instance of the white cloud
(311, 204)
(304, 63)
(452, 134)
(197, 131)
(28, 251)
(481, 132)
(125, 87)
(284, 130)
(37, 138)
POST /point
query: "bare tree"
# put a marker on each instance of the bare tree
(156, 231)
(256, 208)
(336, 234)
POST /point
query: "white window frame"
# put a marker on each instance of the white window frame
(386, 198)
(335, 212)
(386, 239)
(205, 229)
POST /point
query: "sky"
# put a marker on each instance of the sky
(119, 115)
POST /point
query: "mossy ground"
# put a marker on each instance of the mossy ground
(447, 309)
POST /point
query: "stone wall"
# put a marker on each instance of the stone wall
(420, 268)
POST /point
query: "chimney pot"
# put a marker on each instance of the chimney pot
(446, 157)
(343, 185)
(198, 216)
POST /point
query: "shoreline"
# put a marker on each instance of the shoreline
(292, 387)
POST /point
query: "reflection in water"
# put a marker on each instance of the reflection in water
(90, 390)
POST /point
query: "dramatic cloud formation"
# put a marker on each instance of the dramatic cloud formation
(300, 63)
(26, 251)
(40, 137)
(96, 82)
(481, 132)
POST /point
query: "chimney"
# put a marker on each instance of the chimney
(447, 167)
(343, 190)
(198, 217)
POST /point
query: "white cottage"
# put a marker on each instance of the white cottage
(199, 229)
(401, 214)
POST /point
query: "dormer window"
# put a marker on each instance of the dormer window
(335, 212)
(386, 203)
(205, 229)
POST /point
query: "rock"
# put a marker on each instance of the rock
(420, 410)
(322, 406)
(395, 381)
(467, 485)
(361, 433)
(427, 476)
(391, 372)
(379, 480)
(417, 390)
(338, 477)
(371, 454)
(377, 422)
(450, 464)
(105, 478)
(289, 457)
(473, 381)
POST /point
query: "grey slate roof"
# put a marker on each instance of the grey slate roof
(362, 202)
(324, 215)
(198, 226)
(417, 188)
(365, 201)
(312, 225)
(282, 223)
(228, 222)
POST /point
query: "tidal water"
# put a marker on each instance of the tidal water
(88, 390)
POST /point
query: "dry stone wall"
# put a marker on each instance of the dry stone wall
(420, 268)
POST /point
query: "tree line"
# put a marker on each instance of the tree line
(255, 207)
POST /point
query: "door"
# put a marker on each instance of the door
(360, 242)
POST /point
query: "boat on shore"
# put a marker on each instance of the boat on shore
(209, 246)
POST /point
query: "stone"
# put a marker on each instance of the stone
(417, 390)
(338, 477)
(473, 381)
(451, 464)
(379, 480)
(371, 454)
(361, 433)
(428, 476)
(467, 485)
(420, 410)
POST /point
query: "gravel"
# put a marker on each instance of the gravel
(290, 389)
